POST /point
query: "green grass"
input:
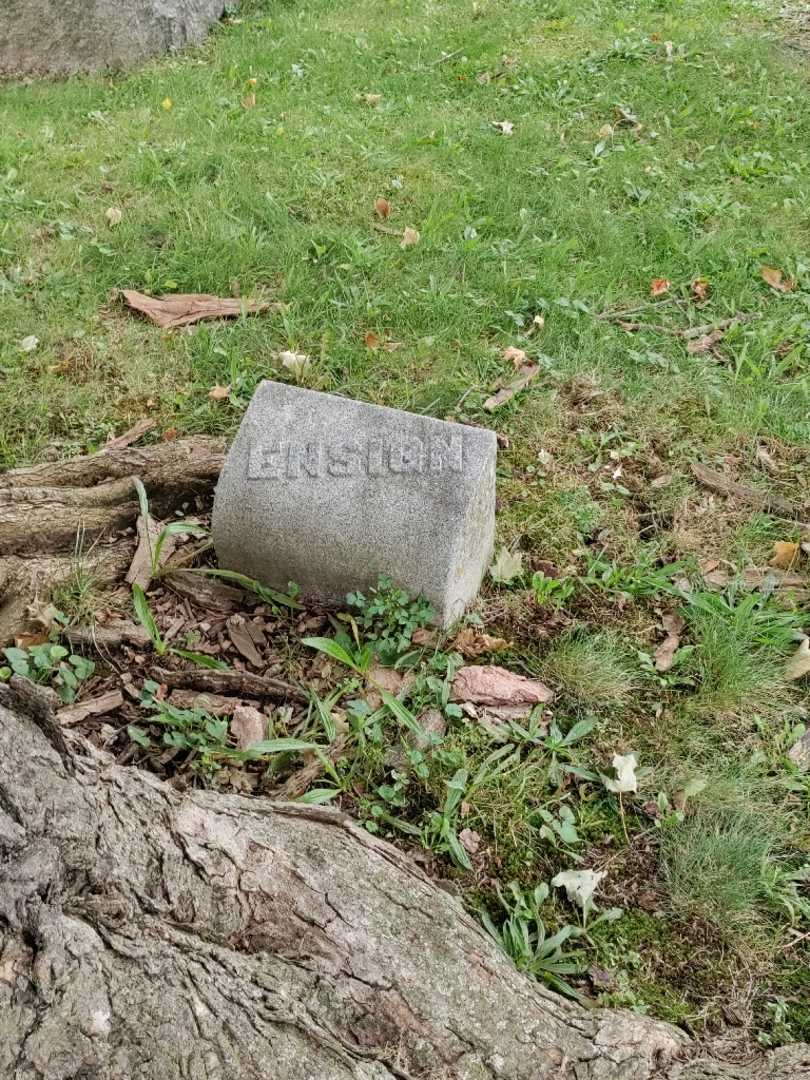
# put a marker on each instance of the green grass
(565, 220)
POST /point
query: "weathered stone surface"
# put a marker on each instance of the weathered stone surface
(61, 37)
(331, 493)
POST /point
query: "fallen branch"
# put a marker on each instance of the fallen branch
(760, 500)
(230, 682)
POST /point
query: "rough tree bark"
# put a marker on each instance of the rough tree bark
(151, 935)
(44, 508)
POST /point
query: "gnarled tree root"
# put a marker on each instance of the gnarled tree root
(45, 508)
(151, 935)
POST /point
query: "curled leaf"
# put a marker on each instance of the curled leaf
(776, 279)
(785, 554)
(515, 355)
(659, 286)
(382, 208)
(410, 237)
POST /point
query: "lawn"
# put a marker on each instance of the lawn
(622, 192)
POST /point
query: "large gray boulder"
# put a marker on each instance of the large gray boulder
(62, 37)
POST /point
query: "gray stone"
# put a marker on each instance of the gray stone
(60, 37)
(331, 493)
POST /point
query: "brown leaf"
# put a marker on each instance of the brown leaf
(472, 642)
(799, 665)
(170, 434)
(605, 131)
(372, 99)
(493, 685)
(700, 289)
(409, 237)
(515, 355)
(372, 340)
(248, 726)
(776, 279)
(665, 653)
(659, 286)
(764, 457)
(183, 309)
(706, 343)
(219, 393)
(785, 554)
(525, 376)
(470, 840)
(249, 101)
(383, 678)
(423, 636)
(382, 208)
(114, 216)
(243, 641)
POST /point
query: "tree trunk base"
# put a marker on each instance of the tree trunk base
(151, 935)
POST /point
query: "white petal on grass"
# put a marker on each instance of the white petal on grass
(626, 780)
(296, 363)
(507, 565)
(579, 885)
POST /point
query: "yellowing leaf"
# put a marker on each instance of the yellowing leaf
(409, 237)
(776, 279)
(517, 356)
(382, 208)
(507, 565)
(167, 103)
(659, 286)
(219, 393)
(799, 665)
(785, 554)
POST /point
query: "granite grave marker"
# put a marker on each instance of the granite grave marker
(330, 493)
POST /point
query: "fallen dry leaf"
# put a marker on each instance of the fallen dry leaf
(113, 216)
(409, 237)
(706, 343)
(248, 726)
(525, 376)
(423, 636)
(493, 685)
(249, 101)
(665, 653)
(371, 340)
(470, 840)
(183, 309)
(799, 753)
(372, 99)
(382, 208)
(298, 364)
(383, 678)
(506, 127)
(764, 457)
(659, 286)
(799, 665)
(30, 343)
(785, 554)
(605, 131)
(219, 393)
(515, 355)
(239, 631)
(700, 289)
(472, 642)
(776, 279)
